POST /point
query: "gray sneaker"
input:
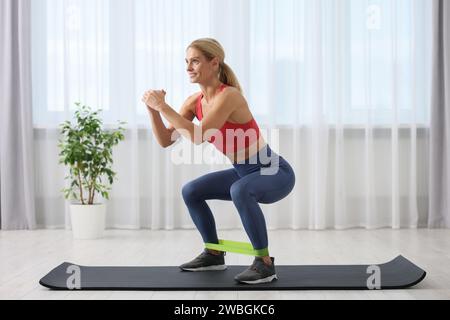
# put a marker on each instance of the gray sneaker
(206, 262)
(258, 272)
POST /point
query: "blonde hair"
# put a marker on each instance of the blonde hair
(211, 48)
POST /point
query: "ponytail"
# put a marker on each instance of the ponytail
(227, 76)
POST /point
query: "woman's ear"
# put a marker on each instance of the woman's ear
(215, 62)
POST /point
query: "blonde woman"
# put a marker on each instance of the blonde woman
(258, 175)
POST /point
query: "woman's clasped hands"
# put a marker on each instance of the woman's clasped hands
(154, 99)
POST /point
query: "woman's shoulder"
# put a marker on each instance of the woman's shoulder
(191, 103)
(232, 93)
(193, 98)
(228, 93)
(235, 97)
(230, 89)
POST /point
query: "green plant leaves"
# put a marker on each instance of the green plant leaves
(87, 149)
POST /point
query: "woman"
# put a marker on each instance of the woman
(258, 173)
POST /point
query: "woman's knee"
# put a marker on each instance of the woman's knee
(189, 192)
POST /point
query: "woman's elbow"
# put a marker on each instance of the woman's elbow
(166, 144)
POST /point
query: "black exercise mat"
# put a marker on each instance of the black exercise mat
(396, 274)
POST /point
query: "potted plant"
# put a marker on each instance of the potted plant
(86, 148)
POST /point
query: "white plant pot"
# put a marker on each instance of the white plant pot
(88, 221)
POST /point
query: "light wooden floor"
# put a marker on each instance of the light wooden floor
(26, 256)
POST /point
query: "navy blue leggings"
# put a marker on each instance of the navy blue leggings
(264, 178)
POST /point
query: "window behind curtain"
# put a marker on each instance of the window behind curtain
(373, 57)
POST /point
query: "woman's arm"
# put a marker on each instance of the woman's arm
(167, 136)
(159, 129)
(223, 107)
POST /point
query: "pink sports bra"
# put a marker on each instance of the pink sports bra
(232, 136)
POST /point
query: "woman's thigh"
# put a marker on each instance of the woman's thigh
(267, 188)
(214, 185)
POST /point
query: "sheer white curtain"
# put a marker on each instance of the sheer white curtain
(339, 87)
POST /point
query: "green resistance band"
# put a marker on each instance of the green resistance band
(237, 247)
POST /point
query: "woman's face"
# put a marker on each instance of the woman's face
(199, 69)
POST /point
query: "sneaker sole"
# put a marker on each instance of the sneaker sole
(209, 268)
(264, 280)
